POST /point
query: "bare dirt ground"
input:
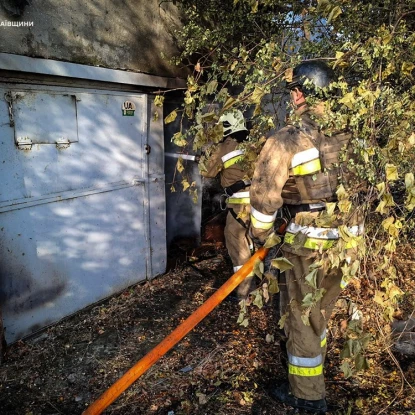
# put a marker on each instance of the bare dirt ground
(218, 368)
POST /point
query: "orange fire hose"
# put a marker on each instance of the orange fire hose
(114, 391)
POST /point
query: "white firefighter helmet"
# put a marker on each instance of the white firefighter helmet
(233, 121)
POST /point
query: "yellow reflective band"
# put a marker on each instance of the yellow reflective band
(352, 243)
(313, 243)
(232, 161)
(316, 244)
(323, 338)
(261, 225)
(305, 156)
(238, 200)
(310, 243)
(305, 371)
(289, 238)
(310, 167)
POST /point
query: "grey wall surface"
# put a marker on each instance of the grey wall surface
(183, 214)
(128, 34)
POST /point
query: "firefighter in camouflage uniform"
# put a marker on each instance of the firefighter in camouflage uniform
(226, 161)
(297, 173)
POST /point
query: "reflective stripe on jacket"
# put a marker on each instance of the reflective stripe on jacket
(317, 238)
(239, 198)
(232, 158)
(306, 162)
(224, 160)
(297, 165)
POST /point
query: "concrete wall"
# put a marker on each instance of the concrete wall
(128, 34)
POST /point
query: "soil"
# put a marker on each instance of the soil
(218, 368)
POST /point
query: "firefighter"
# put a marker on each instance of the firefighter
(297, 173)
(226, 160)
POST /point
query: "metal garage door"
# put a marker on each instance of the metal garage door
(74, 201)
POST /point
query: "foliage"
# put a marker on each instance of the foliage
(239, 52)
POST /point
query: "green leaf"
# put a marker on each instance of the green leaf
(245, 323)
(319, 294)
(305, 317)
(185, 185)
(272, 240)
(215, 134)
(308, 300)
(258, 268)
(348, 100)
(158, 101)
(341, 193)
(179, 165)
(241, 317)
(257, 95)
(282, 264)
(407, 68)
(346, 352)
(381, 188)
(344, 205)
(330, 207)
(228, 104)
(179, 139)
(273, 287)
(355, 267)
(208, 117)
(211, 87)
(258, 300)
(282, 320)
(171, 117)
(379, 298)
(346, 369)
(391, 172)
(334, 14)
(409, 181)
(365, 340)
(188, 99)
(311, 278)
(361, 362)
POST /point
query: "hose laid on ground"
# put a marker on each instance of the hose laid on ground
(125, 381)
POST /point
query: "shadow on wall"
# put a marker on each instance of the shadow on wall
(119, 35)
(14, 8)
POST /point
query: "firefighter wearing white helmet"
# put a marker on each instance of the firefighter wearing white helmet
(233, 122)
(226, 160)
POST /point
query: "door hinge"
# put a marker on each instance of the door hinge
(62, 143)
(24, 143)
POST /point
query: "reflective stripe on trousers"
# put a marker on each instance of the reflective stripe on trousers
(305, 366)
(262, 221)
